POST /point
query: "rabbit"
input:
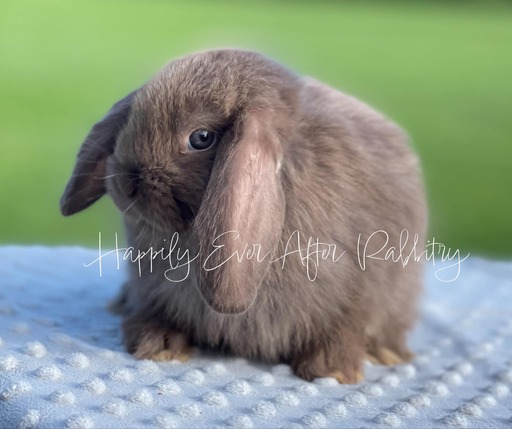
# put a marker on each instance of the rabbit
(291, 200)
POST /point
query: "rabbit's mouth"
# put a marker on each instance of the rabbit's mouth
(187, 213)
(167, 215)
(150, 194)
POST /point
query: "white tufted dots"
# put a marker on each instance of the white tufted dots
(188, 410)
(167, 387)
(215, 369)
(95, 386)
(107, 355)
(388, 419)
(166, 421)
(147, 367)
(15, 390)
(215, 399)
(407, 371)
(422, 359)
(20, 328)
(115, 407)
(464, 368)
(306, 389)
(123, 375)
(34, 349)
(282, 369)
(79, 422)
(61, 338)
(499, 390)
(436, 388)
(264, 379)
(9, 363)
(356, 398)
(335, 410)
(482, 350)
(48, 373)
(63, 398)
(243, 422)
(484, 401)
(239, 387)
(452, 377)
(314, 420)
(326, 381)
(505, 376)
(470, 410)
(78, 360)
(434, 352)
(419, 401)
(372, 390)
(264, 409)
(30, 420)
(286, 399)
(193, 376)
(404, 409)
(142, 397)
(390, 380)
(456, 420)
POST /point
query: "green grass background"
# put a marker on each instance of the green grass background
(443, 70)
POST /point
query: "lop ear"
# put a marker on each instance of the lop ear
(87, 183)
(243, 207)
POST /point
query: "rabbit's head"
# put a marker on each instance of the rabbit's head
(198, 150)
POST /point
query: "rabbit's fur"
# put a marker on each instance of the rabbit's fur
(295, 158)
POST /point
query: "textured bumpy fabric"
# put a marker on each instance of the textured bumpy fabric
(62, 363)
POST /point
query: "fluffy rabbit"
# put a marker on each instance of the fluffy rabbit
(246, 162)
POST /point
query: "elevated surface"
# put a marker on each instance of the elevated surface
(62, 363)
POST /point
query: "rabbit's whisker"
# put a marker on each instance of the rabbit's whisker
(129, 207)
(118, 174)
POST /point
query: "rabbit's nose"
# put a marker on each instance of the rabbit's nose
(151, 180)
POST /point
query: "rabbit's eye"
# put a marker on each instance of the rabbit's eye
(202, 139)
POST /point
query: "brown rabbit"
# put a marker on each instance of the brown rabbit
(289, 198)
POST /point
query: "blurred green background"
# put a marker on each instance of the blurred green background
(443, 70)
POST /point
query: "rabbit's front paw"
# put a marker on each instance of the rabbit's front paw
(342, 378)
(342, 359)
(347, 374)
(146, 339)
(385, 356)
(389, 349)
